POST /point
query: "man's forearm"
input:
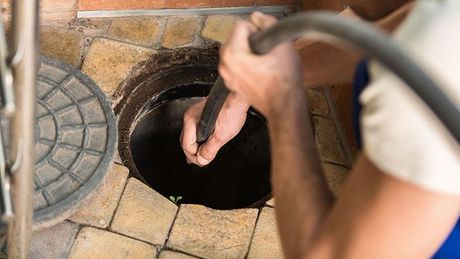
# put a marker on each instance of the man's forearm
(326, 65)
(330, 65)
(302, 194)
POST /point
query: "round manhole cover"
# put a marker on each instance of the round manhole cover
(75, 141)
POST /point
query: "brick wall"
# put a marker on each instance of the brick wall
(55, 9)
(58, 8)
(49, 9)
(64, 9)
(90, 5)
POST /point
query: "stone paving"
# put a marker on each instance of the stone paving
(127, 219)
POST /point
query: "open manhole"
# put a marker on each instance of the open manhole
(151, 109)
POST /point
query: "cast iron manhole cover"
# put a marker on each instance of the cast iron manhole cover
(75, 141)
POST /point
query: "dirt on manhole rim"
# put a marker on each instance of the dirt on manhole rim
(186, 73)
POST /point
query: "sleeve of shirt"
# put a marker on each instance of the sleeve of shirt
(401, 135)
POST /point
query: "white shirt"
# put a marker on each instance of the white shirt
(401, 135)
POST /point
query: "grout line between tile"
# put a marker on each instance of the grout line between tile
(162, 28)
(106, 32)
(172, 224)
(106, 37)
(336, 164)
(339, 127)
(85, 50)
(253, 232)
(118, 233)
(109, 226)
(80, 227)
(197, 39)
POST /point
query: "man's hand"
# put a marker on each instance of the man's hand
(229, 123)
(269, 86)
(268, 81)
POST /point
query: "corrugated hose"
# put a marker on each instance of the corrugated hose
(358, 34)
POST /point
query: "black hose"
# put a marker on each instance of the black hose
(214, 103)
(359, 34)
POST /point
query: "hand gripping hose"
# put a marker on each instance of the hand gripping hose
(356, 33)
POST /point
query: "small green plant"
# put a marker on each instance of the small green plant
(175, 200)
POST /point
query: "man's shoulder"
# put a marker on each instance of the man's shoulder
(401, 135)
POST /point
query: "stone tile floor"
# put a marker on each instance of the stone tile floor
(127, 219)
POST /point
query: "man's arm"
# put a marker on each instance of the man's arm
(272, 83)
(376, 215)
(323, 65)
(302, 195)
(230, 121)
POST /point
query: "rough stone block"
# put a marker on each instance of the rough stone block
(180, 31)
(144, 214)
(138, 30)
(266, 242)
(100, 210)
(218, 27)
(65, 45)
(209, 233)
(54, 242)
(109, 62)
(330, 146)
(335, 176)
(317, 102)
(90, 27)
(96, 243)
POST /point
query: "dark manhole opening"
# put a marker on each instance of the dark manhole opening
(150, 125)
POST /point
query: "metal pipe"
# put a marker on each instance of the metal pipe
(21, 148)
(6, 78)
(359, 34)
(7, 107)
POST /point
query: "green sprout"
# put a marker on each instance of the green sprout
(175, 200)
